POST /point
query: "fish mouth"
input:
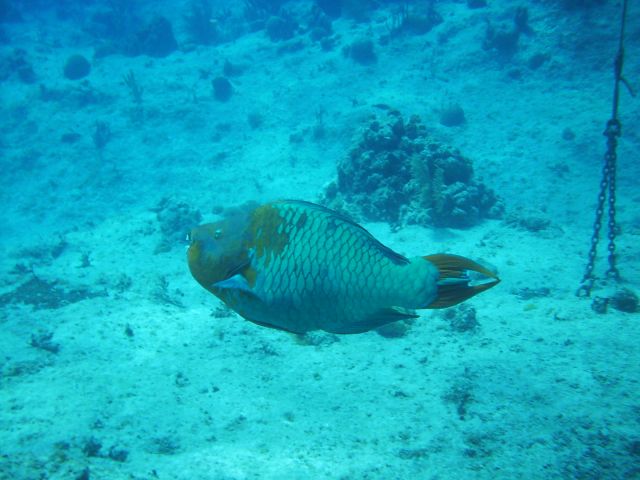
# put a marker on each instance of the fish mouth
(193, 251)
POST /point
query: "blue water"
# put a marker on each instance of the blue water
(124, 124)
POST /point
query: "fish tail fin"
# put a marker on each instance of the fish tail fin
(460, 279)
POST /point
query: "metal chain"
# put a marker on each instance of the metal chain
(613, 131)
(608, 181)
(607, 186)
(589, 279)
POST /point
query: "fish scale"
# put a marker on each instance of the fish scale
(297, 266)
(304, 286)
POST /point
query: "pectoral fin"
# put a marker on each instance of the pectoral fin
(236, 282)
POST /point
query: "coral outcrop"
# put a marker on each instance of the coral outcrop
(399, 173)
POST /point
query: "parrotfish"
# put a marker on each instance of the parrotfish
(297, 266)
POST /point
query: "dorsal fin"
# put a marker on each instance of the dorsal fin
(395, 257)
